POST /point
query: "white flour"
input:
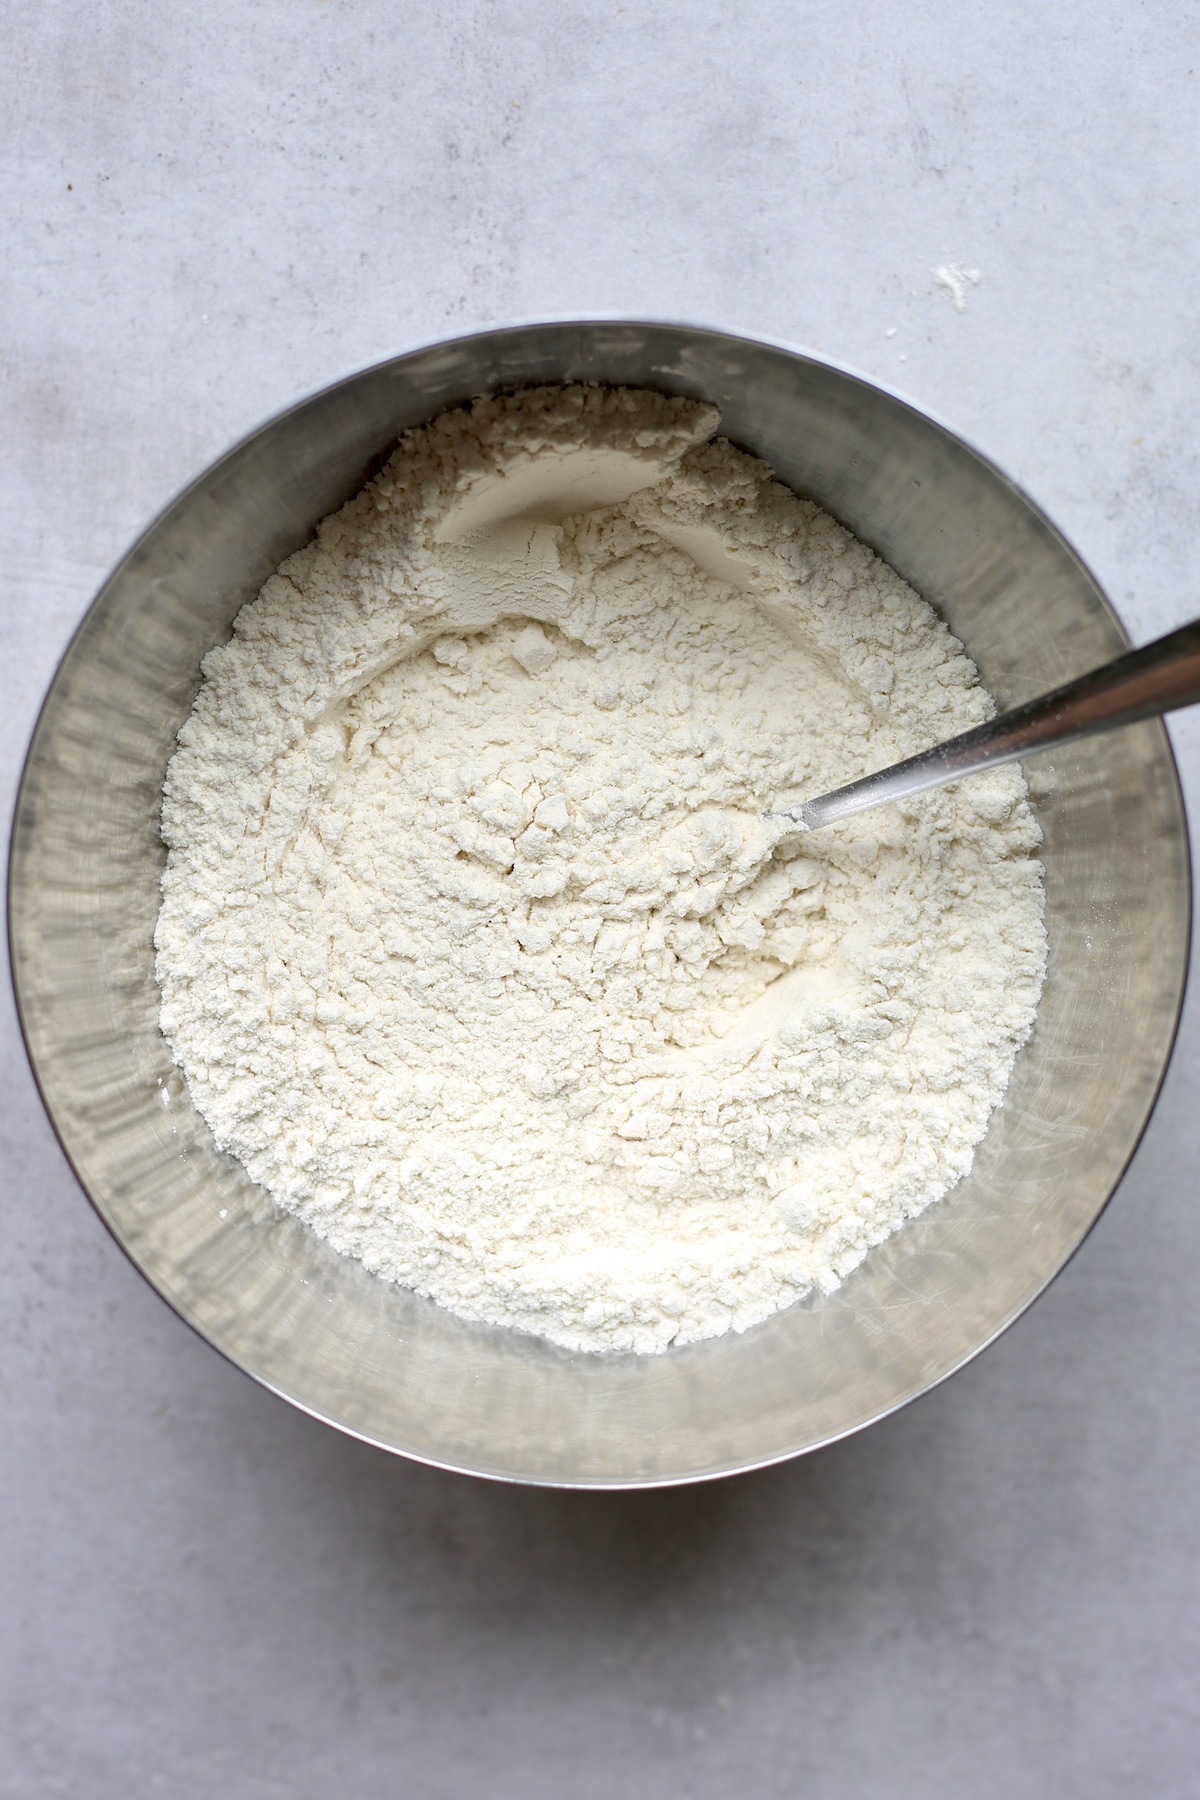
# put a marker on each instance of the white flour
(474, 949)
(957, 282)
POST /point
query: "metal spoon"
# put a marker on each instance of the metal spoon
(1157, 679)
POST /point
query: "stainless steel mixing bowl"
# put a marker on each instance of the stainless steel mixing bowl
(392, 1368)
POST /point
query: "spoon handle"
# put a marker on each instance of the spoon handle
(1156, 679)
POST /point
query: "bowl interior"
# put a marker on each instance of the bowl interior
(374, 1359)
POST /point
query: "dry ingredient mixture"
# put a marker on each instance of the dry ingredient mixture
(475, 948)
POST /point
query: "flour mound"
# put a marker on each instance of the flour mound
(474, 947)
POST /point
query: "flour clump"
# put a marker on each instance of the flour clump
(475, 948)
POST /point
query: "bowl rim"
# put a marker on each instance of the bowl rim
(182, 495)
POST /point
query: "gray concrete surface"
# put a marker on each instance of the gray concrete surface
(210, 210)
